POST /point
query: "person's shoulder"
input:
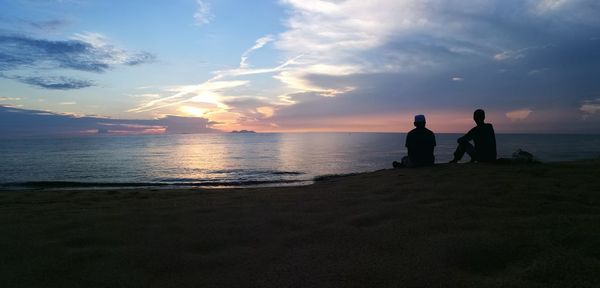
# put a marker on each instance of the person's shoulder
(427, 132)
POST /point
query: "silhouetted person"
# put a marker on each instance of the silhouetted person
(484, 138)
(420, 143)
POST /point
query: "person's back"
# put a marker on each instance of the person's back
(485, 142)
(483, 137)
(420, 143)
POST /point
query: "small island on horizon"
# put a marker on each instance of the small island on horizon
(243, 131)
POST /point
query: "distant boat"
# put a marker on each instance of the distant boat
(243, 131)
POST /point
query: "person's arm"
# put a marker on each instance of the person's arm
(467, 137)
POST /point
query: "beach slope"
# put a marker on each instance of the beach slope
(445, 226)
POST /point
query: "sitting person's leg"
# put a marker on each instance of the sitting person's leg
(405, 162)
(463, 147)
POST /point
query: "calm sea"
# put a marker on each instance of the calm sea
(225, 160)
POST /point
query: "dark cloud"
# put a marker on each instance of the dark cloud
(25, 52)
(23, 122)
(548, 71)
(19, 52)
(54, 83)
(500, 55)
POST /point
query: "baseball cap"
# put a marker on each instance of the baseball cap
(419, 118)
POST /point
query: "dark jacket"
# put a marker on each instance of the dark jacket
(420, 143)
(485, 142)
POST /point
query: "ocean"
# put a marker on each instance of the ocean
(234, 160)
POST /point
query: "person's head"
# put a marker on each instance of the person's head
(419, 121)
(479, 116)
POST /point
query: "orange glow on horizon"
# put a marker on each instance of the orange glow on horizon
(439, 122)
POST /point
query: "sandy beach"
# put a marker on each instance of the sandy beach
(446, 226)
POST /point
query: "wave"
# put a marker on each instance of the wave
(205, 184)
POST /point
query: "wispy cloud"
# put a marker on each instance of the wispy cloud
(48, 25)
(260, 42)
(207, 92)
(53, 82)
(518, 53)
(202, 16)
(545, 6)
(214, 92)
(103, 52)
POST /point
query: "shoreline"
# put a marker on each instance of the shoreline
(451, 225)
(218, 185)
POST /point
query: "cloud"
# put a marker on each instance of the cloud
(537, 71)
(518, 53)
(207, 92)
(396, 55)
(38, 26)
(102, 51)
(505, 55)
(544, 6)
(346, 38)
(90, 52)
(590, 106)
(23, 122)
(250, 109)
(266, 111)
(48, 25)
(385, 57)
(9, 99)
(85, 52)
(518, 115)
(260, 42)
(202, 16)
(54, 83)
(215, 94)
(394, 36)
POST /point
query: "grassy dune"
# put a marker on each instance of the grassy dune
(445, 226)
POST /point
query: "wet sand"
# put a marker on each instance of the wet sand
(446, 226)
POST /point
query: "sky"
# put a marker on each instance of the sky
(156, 66)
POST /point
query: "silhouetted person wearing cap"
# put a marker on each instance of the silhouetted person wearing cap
(484, 138)
(420, 143)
